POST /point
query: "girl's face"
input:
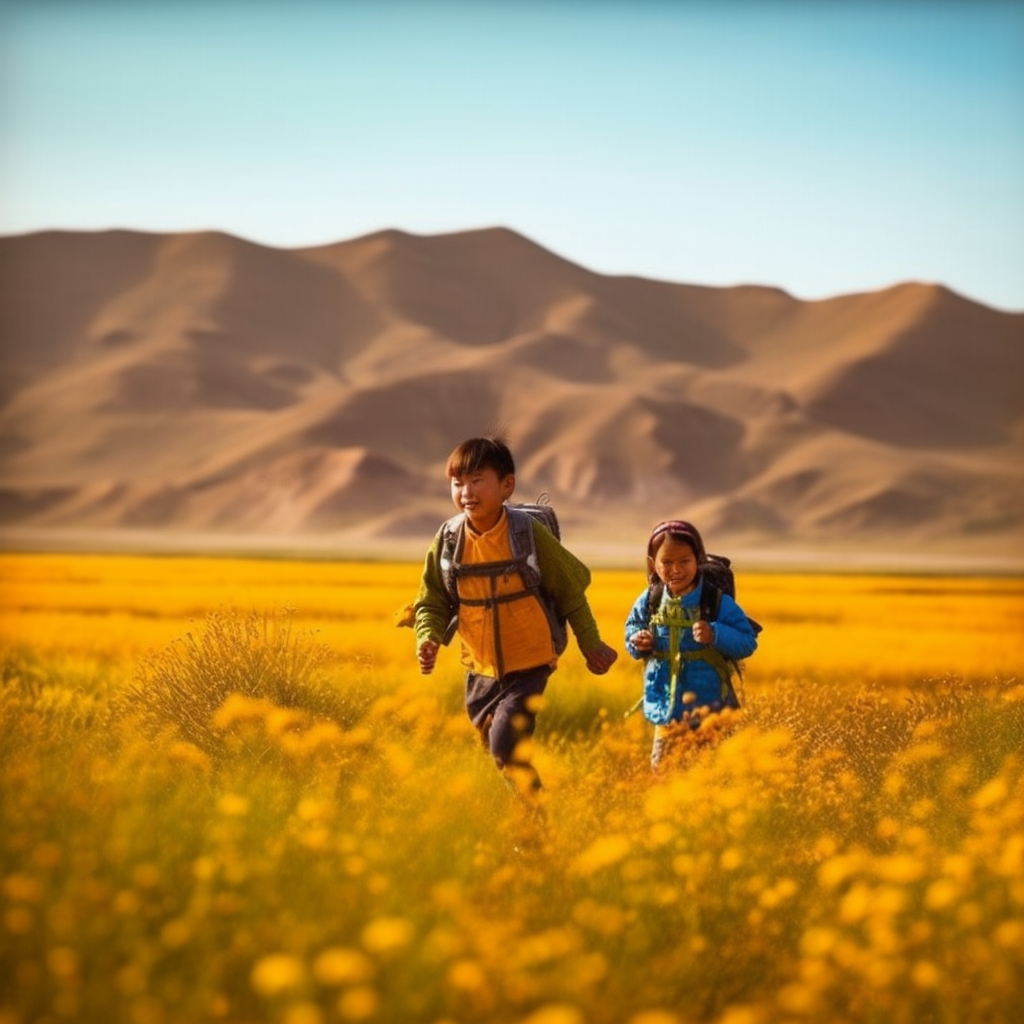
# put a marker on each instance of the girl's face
(481, 494)
(676, 566)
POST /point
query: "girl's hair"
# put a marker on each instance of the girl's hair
(481, 453)
(679, 530)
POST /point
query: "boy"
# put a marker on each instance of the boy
(511, 632)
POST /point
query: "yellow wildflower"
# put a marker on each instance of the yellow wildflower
(824, 846)
(603, 852)
(900, 868)
(359, 1003)
(341, 965)
(1009, 935)
(303, 1013)
(958, 866)
(928, 751)
(888, 900)
(277, 973)
(602, 918)
(925, 974)
(661, 832)
(856, 904)
(22, 889)
(126, 902)
(387, 935)
(146, 876)
(188, 755)
(467, 976)
(731, 859)
(969, 915)
(942, 893)
(923, 808)
(231, 805)
(63, 962)
(555, 1013)
(18, 920)
(817, 941)
(1011, 859)
(204, 868)
(992, 793)
(176, 933)
(743, 1014)
(655, 1017)
(786, 887)
(837, 870)
(798, 999)
(550, 944)
(238, 708)
(880, 972)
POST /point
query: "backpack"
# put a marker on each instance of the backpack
(521, 517)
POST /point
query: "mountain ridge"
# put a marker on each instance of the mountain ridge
(206, 383)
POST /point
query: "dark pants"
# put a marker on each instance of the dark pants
(504, 714)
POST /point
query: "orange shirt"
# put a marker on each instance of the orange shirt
(522, 625)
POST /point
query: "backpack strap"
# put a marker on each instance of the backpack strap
(523, 543)
(450, 548)
(710, 601)
(655, 592)
(524, 546)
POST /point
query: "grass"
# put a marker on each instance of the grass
(228, 796)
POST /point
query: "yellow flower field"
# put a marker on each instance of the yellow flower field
(228, 796)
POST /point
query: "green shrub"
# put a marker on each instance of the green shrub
(258, 656)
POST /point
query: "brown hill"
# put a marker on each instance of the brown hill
(202, 385)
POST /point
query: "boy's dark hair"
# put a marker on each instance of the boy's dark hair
(481, 453)
(678, 530)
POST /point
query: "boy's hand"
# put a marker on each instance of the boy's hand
(600, 658)
(427, 655)
(703, 632)
(643, 640)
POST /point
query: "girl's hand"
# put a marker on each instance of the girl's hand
(427, 655)
(703, 632)
(600, 658)
(642, 640)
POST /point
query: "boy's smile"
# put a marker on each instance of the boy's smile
(481, 494)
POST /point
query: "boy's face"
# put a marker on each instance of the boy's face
(481, 494)
(676, 566)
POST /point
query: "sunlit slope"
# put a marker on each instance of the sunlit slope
(201, 384)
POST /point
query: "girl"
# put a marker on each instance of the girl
(689, 632)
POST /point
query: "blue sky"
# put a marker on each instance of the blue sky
(824, 148)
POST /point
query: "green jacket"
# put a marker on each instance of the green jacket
(563, 576)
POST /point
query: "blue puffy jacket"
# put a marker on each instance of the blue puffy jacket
(699, 678)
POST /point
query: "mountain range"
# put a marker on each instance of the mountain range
(202, 388)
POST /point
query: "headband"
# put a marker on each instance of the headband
(682, 529)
